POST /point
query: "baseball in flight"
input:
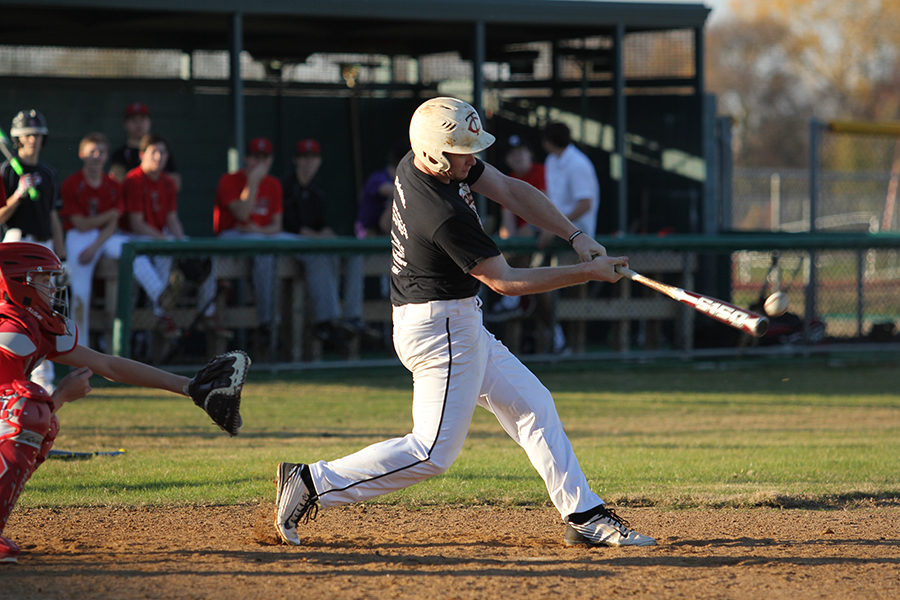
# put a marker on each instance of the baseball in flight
(776, 304)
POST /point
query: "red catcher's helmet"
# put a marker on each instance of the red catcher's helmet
(19, 262)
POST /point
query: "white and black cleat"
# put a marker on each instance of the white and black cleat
(600, 526)
(295, 498)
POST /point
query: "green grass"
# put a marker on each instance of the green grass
(693, 435)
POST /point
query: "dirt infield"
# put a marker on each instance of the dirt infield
(388, 552)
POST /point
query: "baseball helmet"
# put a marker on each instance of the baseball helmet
(444, 125)
(19, 262)
(28, 121)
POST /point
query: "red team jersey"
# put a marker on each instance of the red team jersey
(80, 199)
(23, 343)
(269, 201)
(536, 178)
(154, 199)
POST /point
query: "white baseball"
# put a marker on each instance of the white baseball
(776, 304)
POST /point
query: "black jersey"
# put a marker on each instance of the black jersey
(33, 216)
(436, 237)
(304, 205)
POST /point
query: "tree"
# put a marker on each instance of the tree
(777, 63)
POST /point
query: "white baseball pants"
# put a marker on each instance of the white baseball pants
(456, 363)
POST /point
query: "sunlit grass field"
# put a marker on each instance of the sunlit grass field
(814, 434)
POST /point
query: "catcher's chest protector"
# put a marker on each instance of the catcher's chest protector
(26, 419)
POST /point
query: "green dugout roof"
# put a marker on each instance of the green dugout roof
(293, 29)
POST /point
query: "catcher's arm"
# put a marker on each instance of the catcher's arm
(216, 388)
(124, 370)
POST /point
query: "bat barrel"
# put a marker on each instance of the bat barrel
(760, 327)
(724, 312)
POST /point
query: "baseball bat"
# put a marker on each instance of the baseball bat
(733, 316)
(72, 455)
(15, 164)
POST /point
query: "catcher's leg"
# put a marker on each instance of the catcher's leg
(26, 434)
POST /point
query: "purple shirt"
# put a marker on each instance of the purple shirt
(371, 203)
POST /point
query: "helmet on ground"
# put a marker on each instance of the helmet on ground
(27, 122)
(444, 125)
(19, 263)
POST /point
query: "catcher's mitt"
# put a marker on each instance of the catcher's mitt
(216, 388)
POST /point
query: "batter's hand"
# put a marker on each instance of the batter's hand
(587, 247)
(75, 385)
(603, 268)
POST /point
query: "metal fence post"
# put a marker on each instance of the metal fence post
(815, 131)
(121, 342)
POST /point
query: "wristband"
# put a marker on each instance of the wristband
(574, 235)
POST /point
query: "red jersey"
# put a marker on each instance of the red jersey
(154, 199)
(80, 199)
(23, 343)
(535, 176)
(269, 201)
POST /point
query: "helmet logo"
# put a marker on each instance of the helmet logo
(474, 122)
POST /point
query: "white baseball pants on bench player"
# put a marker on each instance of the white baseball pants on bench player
(456, 363)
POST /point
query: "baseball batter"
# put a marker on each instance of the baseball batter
(441, 255)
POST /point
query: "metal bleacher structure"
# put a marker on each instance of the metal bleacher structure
(627, 77)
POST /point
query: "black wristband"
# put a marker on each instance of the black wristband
(574, 235)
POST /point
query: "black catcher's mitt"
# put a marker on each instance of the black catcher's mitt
(216, 388)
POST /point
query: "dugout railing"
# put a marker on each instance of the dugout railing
(844, 291)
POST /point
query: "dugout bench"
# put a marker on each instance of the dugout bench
(235, 308)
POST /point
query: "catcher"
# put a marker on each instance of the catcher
(33, 326)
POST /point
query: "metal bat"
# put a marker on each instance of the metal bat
(33, 193)
(71, 455)
(734, 316)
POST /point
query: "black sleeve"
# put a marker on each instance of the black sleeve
(465, 242)
(10, 179)
(475, 172)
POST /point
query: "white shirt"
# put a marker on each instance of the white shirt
(571, 177)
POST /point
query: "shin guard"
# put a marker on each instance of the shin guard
(26, 419)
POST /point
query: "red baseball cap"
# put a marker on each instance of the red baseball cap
(136, 108)
(307, 146)
(259, 145)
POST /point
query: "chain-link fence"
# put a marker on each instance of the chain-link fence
(851, 187)
(855, 296)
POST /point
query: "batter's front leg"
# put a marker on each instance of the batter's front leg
(526, 411)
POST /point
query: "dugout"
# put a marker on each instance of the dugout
(627, 77)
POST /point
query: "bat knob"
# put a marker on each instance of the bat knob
(624, 271)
